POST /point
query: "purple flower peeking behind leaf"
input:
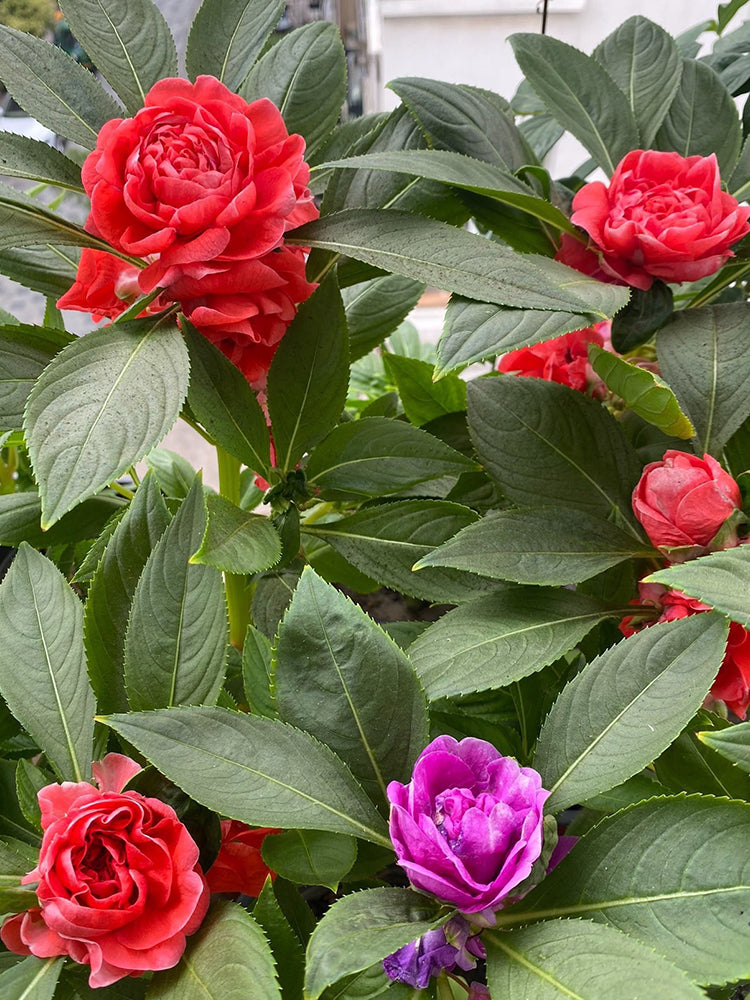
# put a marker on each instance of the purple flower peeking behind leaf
(469, 825)
(444, 949)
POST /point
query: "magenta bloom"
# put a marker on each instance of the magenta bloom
(468, 826)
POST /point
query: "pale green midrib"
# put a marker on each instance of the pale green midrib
(178, 637)
(513, 919)
(63, 102)
(200, 983)
(300, 409)
(611, 725)
(526, 963)
(361, 460)
(230, 45)
(711, 409)
(350, 701)
(125, 52)
(53, 679)
(28, 992)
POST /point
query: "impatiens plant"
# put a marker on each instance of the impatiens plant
(440, 693)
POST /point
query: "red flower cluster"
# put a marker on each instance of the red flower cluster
(662, 216)
(202, 186)
(564, 360)
(239, 866)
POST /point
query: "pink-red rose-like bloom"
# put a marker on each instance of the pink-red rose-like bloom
(469, 825)
(661, 216)
(119, 884)
(239, 866)
(563, 359)
(732, 683)
(684, 500)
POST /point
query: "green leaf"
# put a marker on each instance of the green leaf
(309, 376)
(643, 392)
(546, 444)
(227, 37)
(31, 979)
(25, 351)
(260, 771)
(221, 400)
(176, 643)
(173, 473)
(375, 719)
(107, 610)
(47, 270)
(542, 133)
(288, 953)
(20, 514)
(465, 173)
(474, 331)
(236, 541)
(128, 40)
(732, 743)
(720, 579)
(543, 545)
(496, 640)
(304, 74)
(362, 929)
(672, 873)
(424, 400)
(455, 260)
(387, 540)
(626, 706)
(581, 95)
(36, 161)
(576, 958)
(702, 119)
(691, 765)
(78, 436)
(24, 222)
(256, 674)
(30, 780)
(465, 119)
(377, 456)
(53, 88)
(228, 958)
(41, 628)
(645, 63)
(645, 313)
(310, 857)
(702, 356)
(375, 308)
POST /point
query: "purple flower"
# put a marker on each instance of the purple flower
(469, 825)
(448, 947)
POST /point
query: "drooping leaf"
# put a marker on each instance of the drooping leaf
(732, 743)
(227, 958)
(260, 771)
(474, 331)
(310, 857)
(25, 351)
(374, 719)
(256, 674)
(236, 541)
(581, 95)
(542, 545)
(646, 312)
(172, 472)
(287, 949)
(53, 88)
(702, 119)
(31, 979)
(48, 270)
(720, 579)
(455, 260)
(25, 222)
(702, 356)
(375, 308)
(77, 438)
(362, 929)
(376, 456)
(111, 593)
(309, 376)
(128, 40)
(20, 515)
(226, 38)
(496, 640)
(42, 629)
(224, 403)
(175, 648)
(304, 74)
(36, 161)
(546, 444)
(643, 392)
(645, 63)
(573, 958)
(671, 873)
(626, 706)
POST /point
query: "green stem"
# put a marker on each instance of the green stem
(235, 585)
(733, 273)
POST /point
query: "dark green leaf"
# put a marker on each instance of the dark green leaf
(310, 857)
(175, 648)
(36, 161)
(260, 771)
(720, 579)
(627, 706)
(691, 763)
(376, 720)
(375, 308)
(20, 515)
(78, 434)
(25, 222)
(47, 270)
(31, 979)
(732, 743)
(25, 351)
(309, 376)
(172, 472)
(236, 541)
(128, 40)
(227, 37)
(645, 313)
(41, 628)
(496, 640)
(256, 674)
(424, 400)
(288, 953)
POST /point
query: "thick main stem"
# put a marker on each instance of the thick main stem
(235, 586)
